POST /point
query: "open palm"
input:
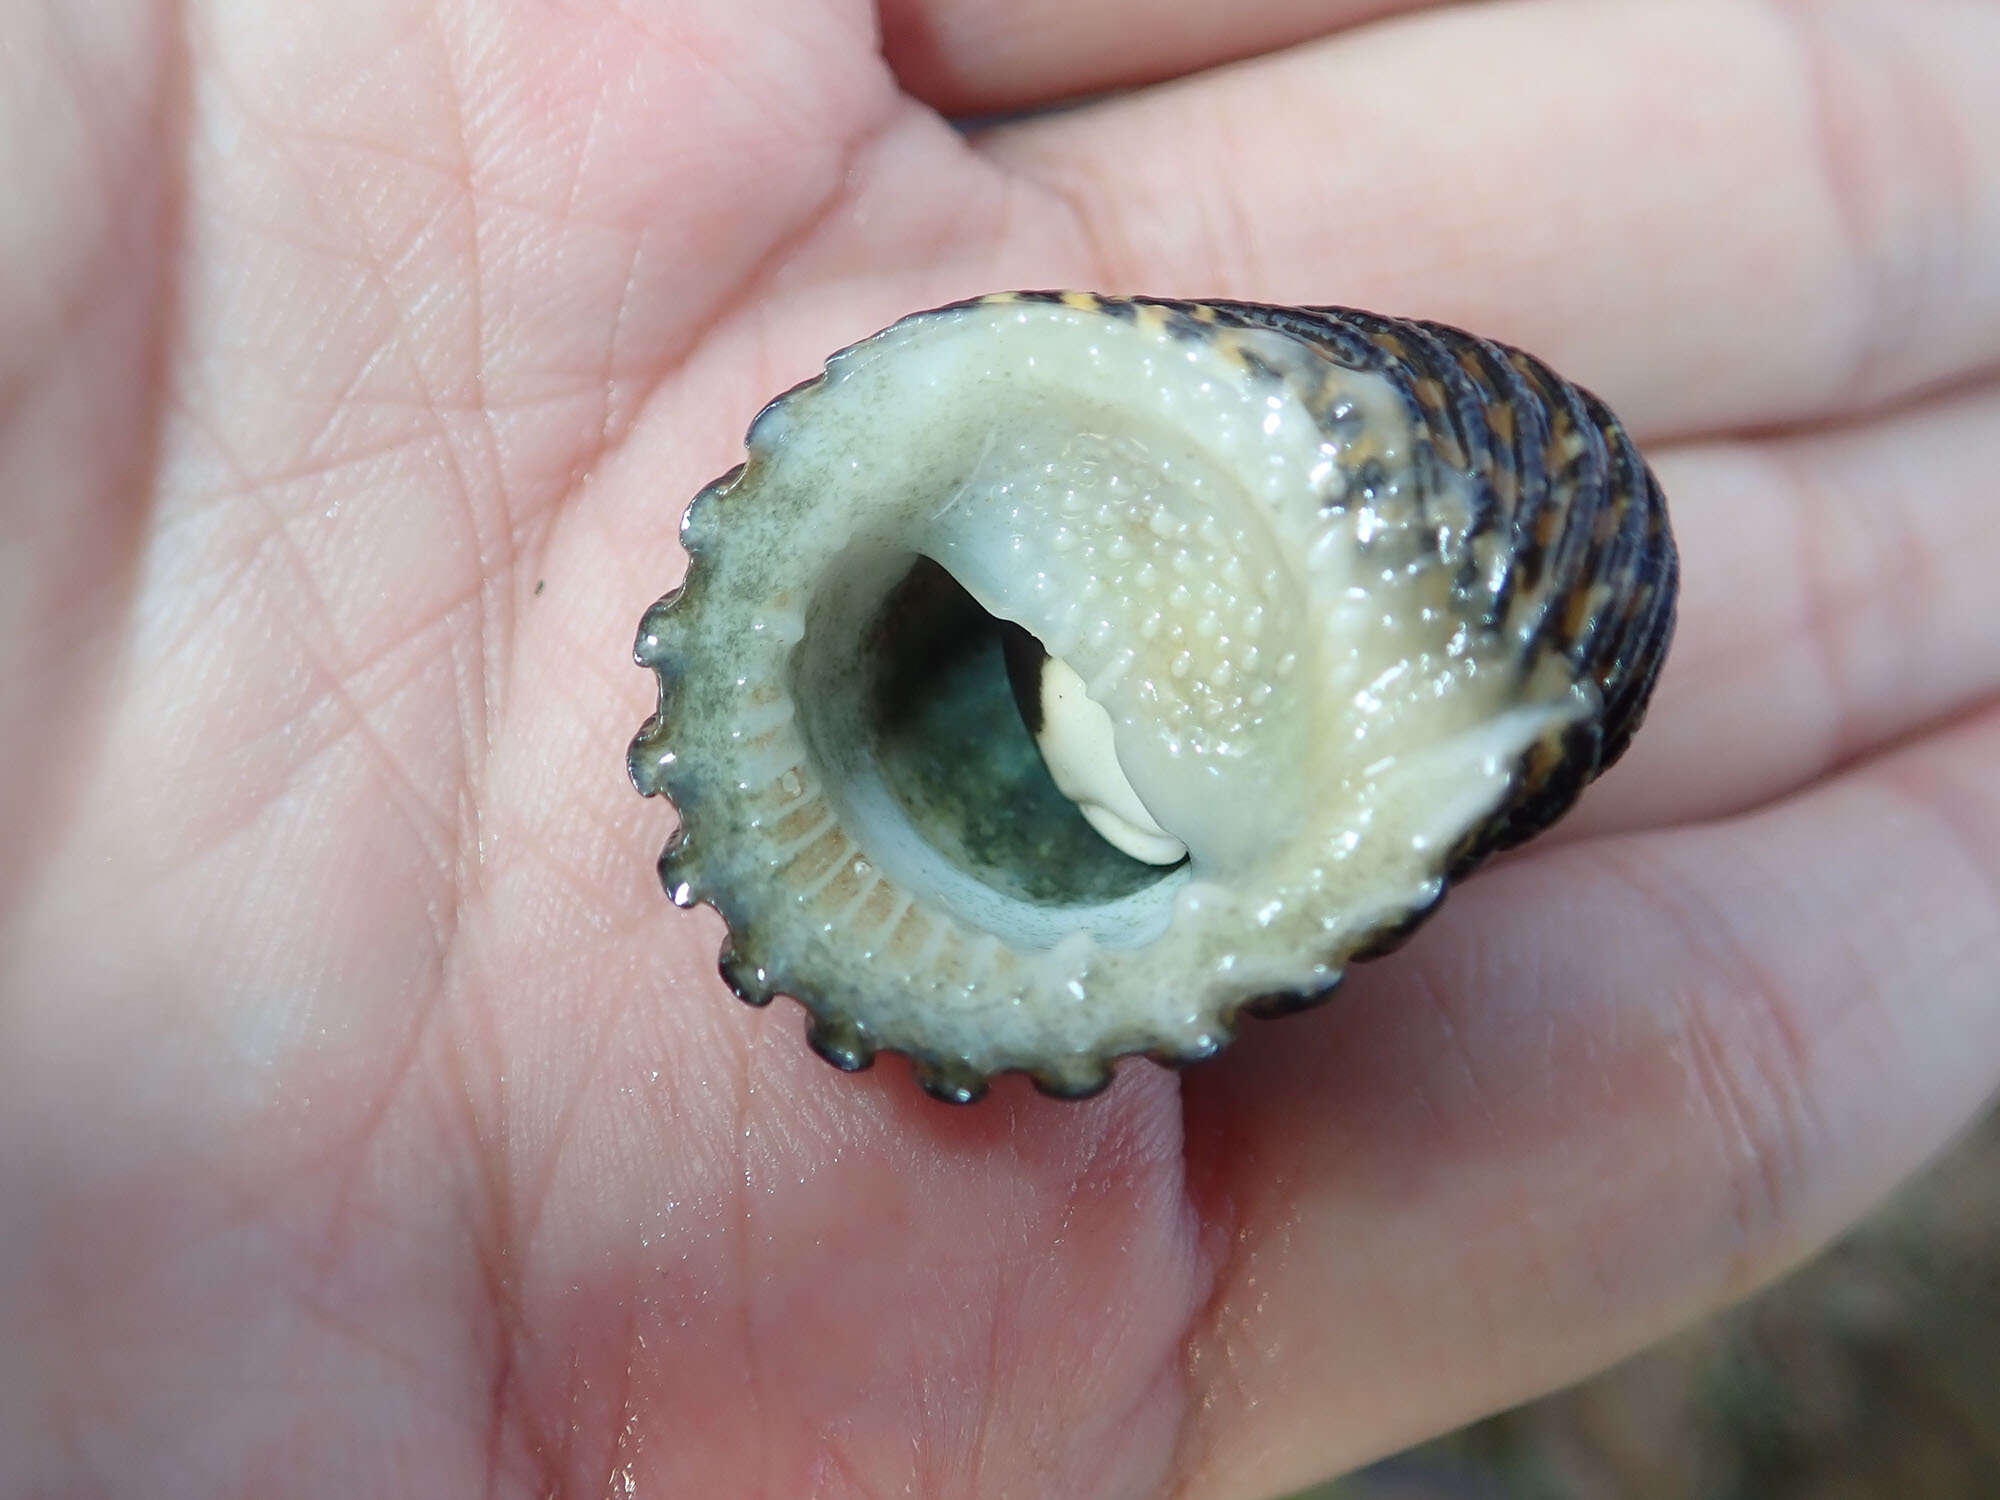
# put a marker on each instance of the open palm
(370, 1125)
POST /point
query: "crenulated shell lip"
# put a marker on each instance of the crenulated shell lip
(1308, 611)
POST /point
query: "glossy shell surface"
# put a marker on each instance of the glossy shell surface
(1362, 601)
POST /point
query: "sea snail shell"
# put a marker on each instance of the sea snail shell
(1338, 604)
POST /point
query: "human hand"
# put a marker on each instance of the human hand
(370, 1125)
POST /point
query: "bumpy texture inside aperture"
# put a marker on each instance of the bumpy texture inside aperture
(1358, 601)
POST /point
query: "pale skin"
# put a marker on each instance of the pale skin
(370, 1125)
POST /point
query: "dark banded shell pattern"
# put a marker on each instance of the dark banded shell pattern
(1567, 547)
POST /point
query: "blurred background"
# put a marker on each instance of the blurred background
(1871, 1373)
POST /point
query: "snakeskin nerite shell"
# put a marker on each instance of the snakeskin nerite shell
(1062, 677)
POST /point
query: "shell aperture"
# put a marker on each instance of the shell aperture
(1358, 601)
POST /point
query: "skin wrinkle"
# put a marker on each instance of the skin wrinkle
(325, 1315)
(835, 1453)
(354, 711)
(580, 886)
(508, 1228)
(990, 1394)
(1096, 246)
(309, 759)
(398, 253)
(1154, 1482)
(1444, 1116)
(76, 618)
(608, 429)
(313, 462)
(589, 388)
(1766, 1120)
(366, 1131)
(1226, 220)
(515, 1228)
(1893, 595)
(527, 1222)
(491, 1454)
(1225, 1249)
(238, 580)
(343, 1213)
(625, 1442)
(277, 547)
(378, 264)
(573, 198)
(785, 249)
(497, 621)
(1426, 991)
(337, 689)
(1823, 608)
(1945, 803)
(1206, 1241)
(488, 1216)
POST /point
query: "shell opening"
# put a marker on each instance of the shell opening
(903, 689)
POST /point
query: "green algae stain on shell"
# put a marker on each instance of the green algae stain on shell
(1319, 610)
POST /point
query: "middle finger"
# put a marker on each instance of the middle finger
(1836, 595)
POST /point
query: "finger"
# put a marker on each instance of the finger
(1612, 1088)
(1718, 214)
(965, 57)
(1837, 594)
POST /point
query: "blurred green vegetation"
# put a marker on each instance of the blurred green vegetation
(1871, 1373)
